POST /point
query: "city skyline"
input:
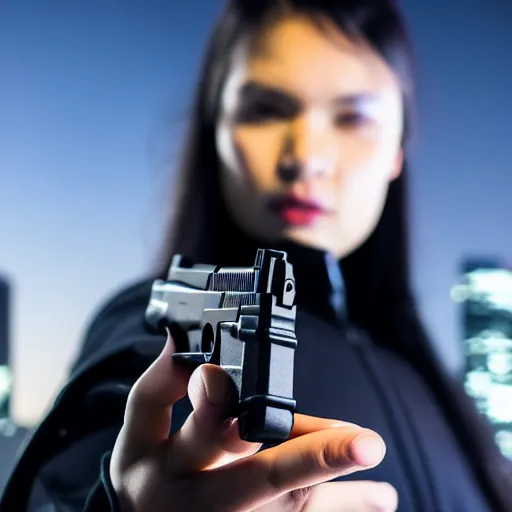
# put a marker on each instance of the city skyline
(485, 299)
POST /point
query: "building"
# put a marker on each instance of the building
(5, 373)
(485, 297)
(11, 436)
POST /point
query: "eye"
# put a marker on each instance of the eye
(262, 111)
(260, 104)
(352, 119)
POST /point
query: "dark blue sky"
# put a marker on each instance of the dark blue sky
(93, 96)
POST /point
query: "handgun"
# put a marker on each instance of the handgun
(242, 319)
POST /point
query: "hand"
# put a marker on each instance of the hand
(361, 496)
(206, 466)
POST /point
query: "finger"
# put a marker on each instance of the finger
(358, 496)
(303, 424)
(147, 419)
(364, 496)
(208, 438)
(301, 462)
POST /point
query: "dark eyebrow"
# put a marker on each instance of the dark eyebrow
(252, 90)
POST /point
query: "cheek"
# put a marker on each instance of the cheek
(247, 176)
(364, 185)
(367, 169)
(371, 153)
(225, 148)
(250, 154)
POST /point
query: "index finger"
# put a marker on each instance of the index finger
(147, 419)
(301, 462)
(304, 424)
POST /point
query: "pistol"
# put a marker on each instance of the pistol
(242, 319)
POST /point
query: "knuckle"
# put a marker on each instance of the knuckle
(275, 478)
(136, 395)
(330, 457)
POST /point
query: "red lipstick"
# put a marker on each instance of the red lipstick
(297, 211)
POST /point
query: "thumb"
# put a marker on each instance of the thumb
(209, 437)
(211, 392)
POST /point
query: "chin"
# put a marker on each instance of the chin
(322, 240)
(308, 238)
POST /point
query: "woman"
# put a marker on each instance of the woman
(297, 142)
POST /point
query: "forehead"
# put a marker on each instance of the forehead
(294, 54)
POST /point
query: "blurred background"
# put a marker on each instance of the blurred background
(93, 102)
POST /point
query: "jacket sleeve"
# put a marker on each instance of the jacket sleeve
(64, 466)
(102, 497)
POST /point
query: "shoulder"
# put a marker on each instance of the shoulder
(117, 320)
(86, 416)
(125, 298)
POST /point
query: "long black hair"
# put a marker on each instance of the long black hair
(379, 296)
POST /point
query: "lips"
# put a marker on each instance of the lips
(297, 211)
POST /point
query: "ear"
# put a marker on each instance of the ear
(398, 166)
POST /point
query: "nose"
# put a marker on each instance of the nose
(308, 150)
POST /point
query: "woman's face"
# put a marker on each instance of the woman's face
(309, 136)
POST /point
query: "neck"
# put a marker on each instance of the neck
(319, 281)
(320, 288)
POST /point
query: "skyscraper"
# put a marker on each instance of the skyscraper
(485, 296)
(11, 436)
(5, 373)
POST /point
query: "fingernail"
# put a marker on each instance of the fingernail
(216, 385)
(368, 450)
(382, 498)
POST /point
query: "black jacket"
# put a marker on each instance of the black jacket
(340, 373)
